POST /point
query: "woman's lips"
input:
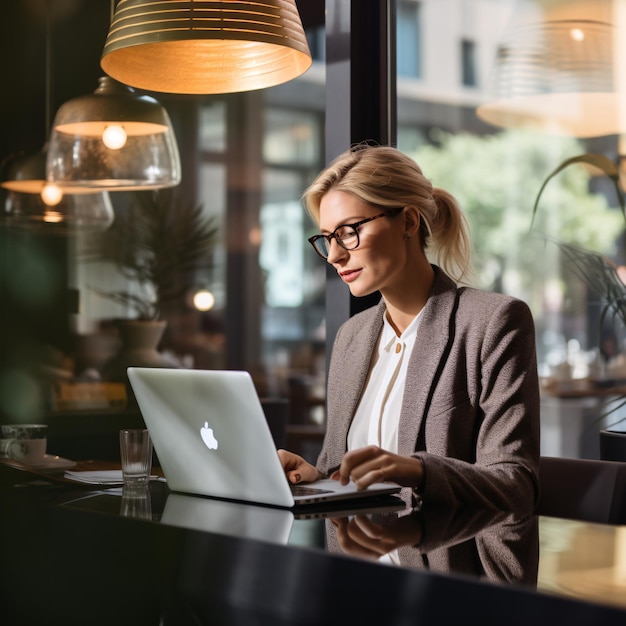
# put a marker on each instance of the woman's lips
(349, 275)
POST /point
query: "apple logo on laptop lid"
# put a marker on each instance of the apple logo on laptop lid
(208, 437)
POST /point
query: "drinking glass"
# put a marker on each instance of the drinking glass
(136, 455)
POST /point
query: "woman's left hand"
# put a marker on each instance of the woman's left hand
(372, 464)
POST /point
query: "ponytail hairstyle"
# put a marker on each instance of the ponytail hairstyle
(387, 178)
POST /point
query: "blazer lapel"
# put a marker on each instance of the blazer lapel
(363, 349)
(428, 355)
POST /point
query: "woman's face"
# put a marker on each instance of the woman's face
(380, 261)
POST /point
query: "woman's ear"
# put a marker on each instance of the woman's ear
(411, 221)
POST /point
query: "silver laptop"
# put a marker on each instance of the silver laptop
(212, 439)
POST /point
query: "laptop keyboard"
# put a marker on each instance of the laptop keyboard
(300, 490)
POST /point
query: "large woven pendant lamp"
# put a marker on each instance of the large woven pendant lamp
(560, 69)
(198, 47)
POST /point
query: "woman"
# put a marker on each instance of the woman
(435, 388)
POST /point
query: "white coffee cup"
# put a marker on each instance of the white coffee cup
(24, 442)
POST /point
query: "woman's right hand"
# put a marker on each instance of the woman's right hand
(362, 536)
(297, 469)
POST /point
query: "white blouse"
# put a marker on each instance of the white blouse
(377, 416)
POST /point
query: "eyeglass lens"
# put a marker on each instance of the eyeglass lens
(346, 237)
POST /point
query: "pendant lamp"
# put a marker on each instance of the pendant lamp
(198, 47)
(560, 69)
(35, 201)
(113, 139)
(73, 213)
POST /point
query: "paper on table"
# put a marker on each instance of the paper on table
(97, 477)
(100, 477)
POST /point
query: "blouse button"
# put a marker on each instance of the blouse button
(398, 347)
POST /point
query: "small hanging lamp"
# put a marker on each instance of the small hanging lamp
(198, 47)
(26, 173)
(36, 204)
(113, 139)
(72, 213)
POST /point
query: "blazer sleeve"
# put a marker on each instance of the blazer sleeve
(504, 473)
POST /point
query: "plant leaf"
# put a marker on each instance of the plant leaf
(159, 240)
(600, 161)
(600, 274)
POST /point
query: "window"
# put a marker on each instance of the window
(409, 63)
(468, 63)
(316, 38)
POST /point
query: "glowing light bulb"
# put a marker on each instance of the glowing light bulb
(577, 34)
(114, 137)
(51, 194)
(52, 217)
(203, 300)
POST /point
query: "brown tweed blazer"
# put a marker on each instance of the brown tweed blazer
(471, 401)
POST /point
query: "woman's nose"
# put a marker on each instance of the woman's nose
(335, 251)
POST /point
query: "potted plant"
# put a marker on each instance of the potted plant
(157, 242)
(601, 275)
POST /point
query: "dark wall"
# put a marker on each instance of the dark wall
(35, 304)
(78, 29)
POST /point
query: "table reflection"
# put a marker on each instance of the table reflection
(583, 560)
(488, 545)
(567, 557)
(136, 502)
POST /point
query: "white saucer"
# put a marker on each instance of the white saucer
(53, 463)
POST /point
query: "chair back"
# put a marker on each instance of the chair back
(613, 445)
(582, 489)
(277, 415)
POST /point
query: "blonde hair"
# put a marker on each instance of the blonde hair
(387, 178)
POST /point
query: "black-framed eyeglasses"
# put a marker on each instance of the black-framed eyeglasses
(346, 235)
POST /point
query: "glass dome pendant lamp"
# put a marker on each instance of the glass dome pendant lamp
(34, 203)
(113, 139)
(73, 213)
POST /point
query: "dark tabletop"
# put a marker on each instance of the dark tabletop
(78, 556)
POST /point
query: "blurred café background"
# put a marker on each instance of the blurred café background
(219, 262)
